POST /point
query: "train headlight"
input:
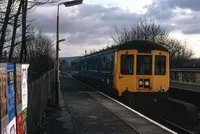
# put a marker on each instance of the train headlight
(146, 83)
(140, 83)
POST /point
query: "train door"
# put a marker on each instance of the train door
(144, 72)
(126, 71)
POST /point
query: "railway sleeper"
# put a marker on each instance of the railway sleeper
(180, 112)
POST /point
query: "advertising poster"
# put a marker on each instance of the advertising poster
(11, 128)
(18, 88)
(3, 98)
(20, 123)
(11, 92)
(25, 121)
(24, 79)
(4, 130)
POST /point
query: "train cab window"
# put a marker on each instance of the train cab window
(144, 65)
(160, 65)
(127, 64)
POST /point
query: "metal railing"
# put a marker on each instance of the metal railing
(185, 75)
(39, 91)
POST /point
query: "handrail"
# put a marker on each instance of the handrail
(185, 75)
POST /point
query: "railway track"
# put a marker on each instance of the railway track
(193, 129)
(175, 92)
(183, 129)
(170, 124)
(177, 128)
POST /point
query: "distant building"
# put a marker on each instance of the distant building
(65, 62)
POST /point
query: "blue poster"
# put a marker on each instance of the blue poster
(11, 91)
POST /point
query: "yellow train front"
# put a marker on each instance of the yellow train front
(142, 72)
(137, 71)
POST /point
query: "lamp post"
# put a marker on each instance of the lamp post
(67, 4)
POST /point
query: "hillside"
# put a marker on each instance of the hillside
(68, 59)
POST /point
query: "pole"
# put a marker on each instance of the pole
(57, 61)
(69, 3)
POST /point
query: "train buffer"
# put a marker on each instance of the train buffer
(87, 111)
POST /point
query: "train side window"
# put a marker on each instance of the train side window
(100, 64)
(86, 65)
(160, 65)
(104, 59)
(127, 64)
(112, 63)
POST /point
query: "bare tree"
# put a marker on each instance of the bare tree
(179, 52)
(5, 24)
(14, 31)
(23, 53)
(12, 17)
(149, 30)
(142, 30)
(40, 54)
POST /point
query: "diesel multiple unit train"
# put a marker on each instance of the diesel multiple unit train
(137, 71)
(133, 67)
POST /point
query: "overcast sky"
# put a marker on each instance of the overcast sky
(91, 25)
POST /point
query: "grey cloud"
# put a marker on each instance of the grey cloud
(192, 30)
(89, 17)
(163, 12)
(89, 10)
(89, 37)
(190, 4)
(92, 23)
(189, 24)
(159, 10)
(184, 4)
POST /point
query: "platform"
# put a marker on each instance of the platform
(86, 111)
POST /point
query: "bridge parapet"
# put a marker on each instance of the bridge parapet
(185, 75)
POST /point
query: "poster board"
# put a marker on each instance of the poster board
(20, 123)
(18, 88)
(24, 83)
(24, 118)
(3, 98)
(13, 98)
(11, 128)
(24, 80)
(18, 98)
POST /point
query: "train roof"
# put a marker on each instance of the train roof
(135, 44)
(141, 45)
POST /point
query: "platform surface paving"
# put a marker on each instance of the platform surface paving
(84, 111)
